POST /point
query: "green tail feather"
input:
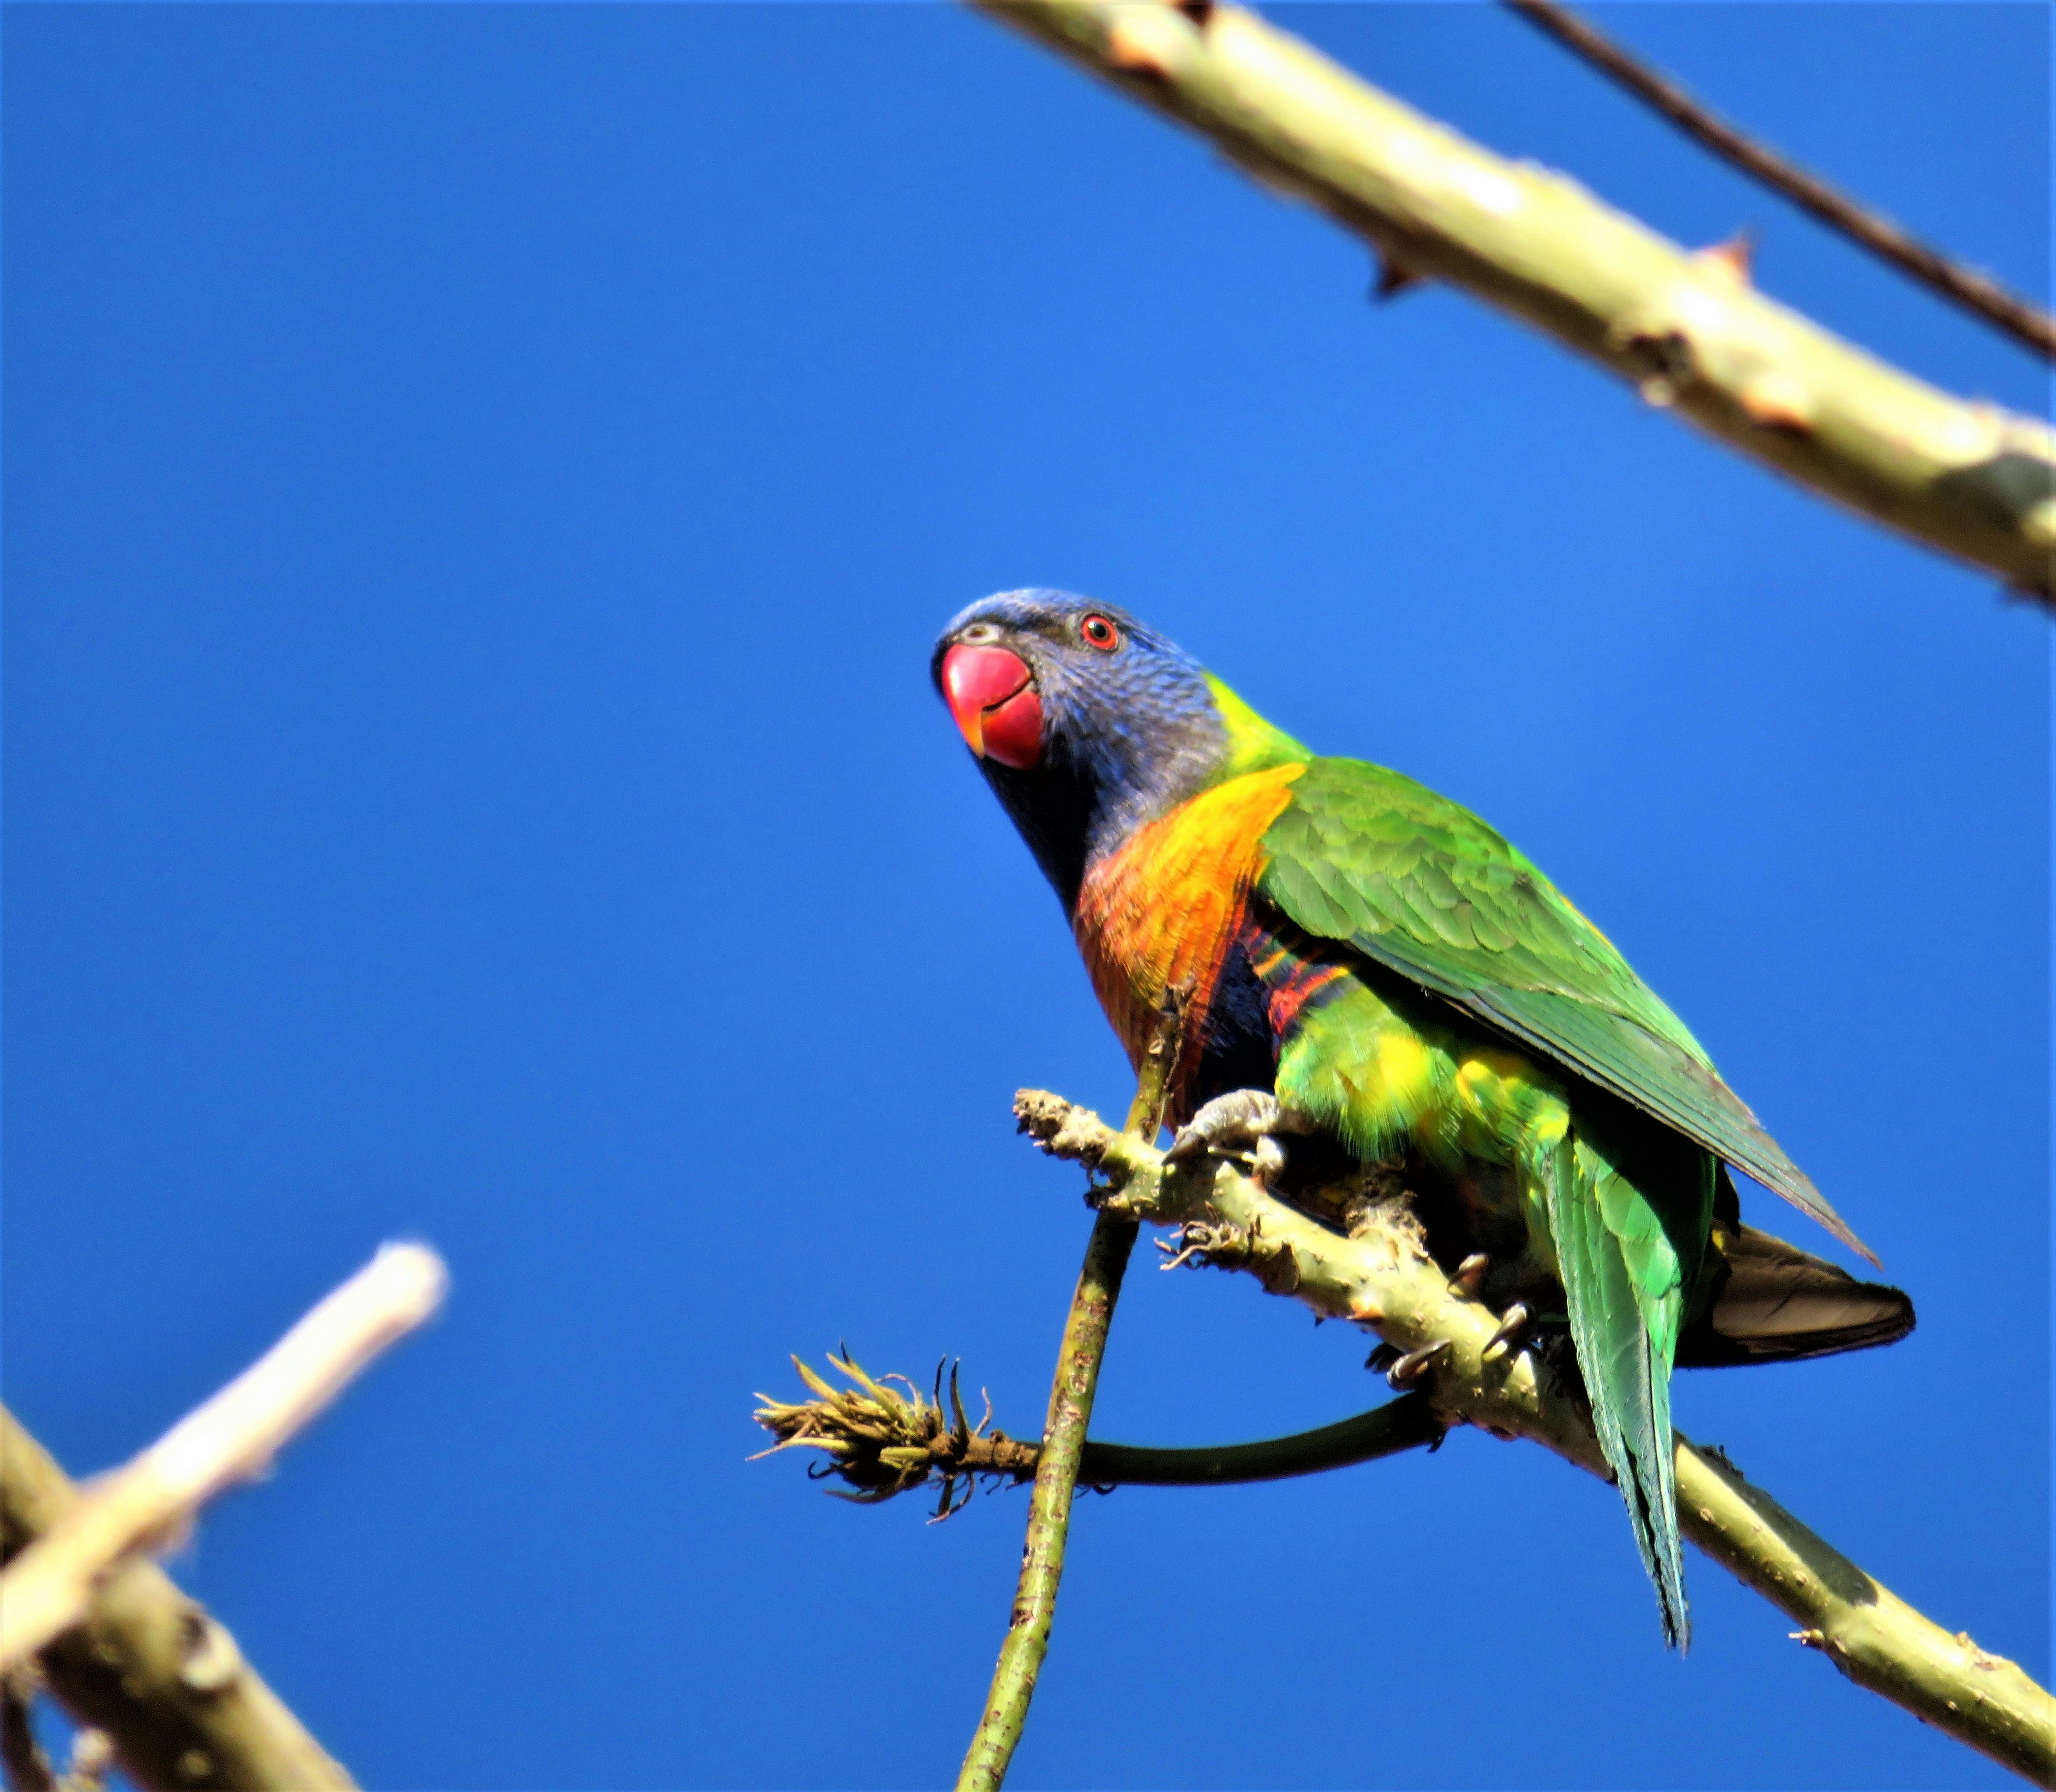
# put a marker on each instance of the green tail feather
(1623, 1287)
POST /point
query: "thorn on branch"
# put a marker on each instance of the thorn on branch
(1733, 260)
(1136, 41)
(1511, 1324)
(212, 1657)
(1395, 277)
(1777, 402)
(1414, 1364)
(1470, 1274)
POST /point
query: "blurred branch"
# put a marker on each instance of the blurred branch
(1071, 1393)
(232, 1437)
(27, 1767)
(1687, 330)
(1979, 294)
(151, 1668)
(117, 1643)
(1376, 1271)
(884, 1443)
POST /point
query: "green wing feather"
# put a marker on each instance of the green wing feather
(1623, 1286)
(1367, 857)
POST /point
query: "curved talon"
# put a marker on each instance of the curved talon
(1512, 1323)
(1411, 1366)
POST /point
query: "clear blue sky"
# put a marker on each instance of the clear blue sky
(481, 484)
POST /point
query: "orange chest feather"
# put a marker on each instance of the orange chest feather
(1158, 914)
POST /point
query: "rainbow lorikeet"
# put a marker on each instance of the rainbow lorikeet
(1371, 971)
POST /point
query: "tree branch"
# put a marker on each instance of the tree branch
(232, 1438)
(1979, 294)
(1071, 1395)
(1970, 480)
(883, 1443)
(151, 1668)
(28, 1769)
(1375, 1270)
(118, 1644)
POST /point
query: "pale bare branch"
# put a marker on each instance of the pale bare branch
(234, 1436)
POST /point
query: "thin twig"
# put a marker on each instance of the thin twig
(882, 1443)
(1071, 1394)
(1409, 1423)
(232, 1437)
(151, 1670)
(1977, 293)
(1686, 329)
(1376, 1271)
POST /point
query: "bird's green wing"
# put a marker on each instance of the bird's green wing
(1623, 1284)
(1364, 856)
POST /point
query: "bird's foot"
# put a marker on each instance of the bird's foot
(1243, 1125)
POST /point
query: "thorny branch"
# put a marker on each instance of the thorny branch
(1686, 330)
(1979, 294)
(1372, 1266)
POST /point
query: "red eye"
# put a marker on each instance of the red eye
(1100, 632)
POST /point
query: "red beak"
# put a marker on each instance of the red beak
(992, 695)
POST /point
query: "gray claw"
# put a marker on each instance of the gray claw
(1512, 1323)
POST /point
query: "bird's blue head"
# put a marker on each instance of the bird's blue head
(1088, 723)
